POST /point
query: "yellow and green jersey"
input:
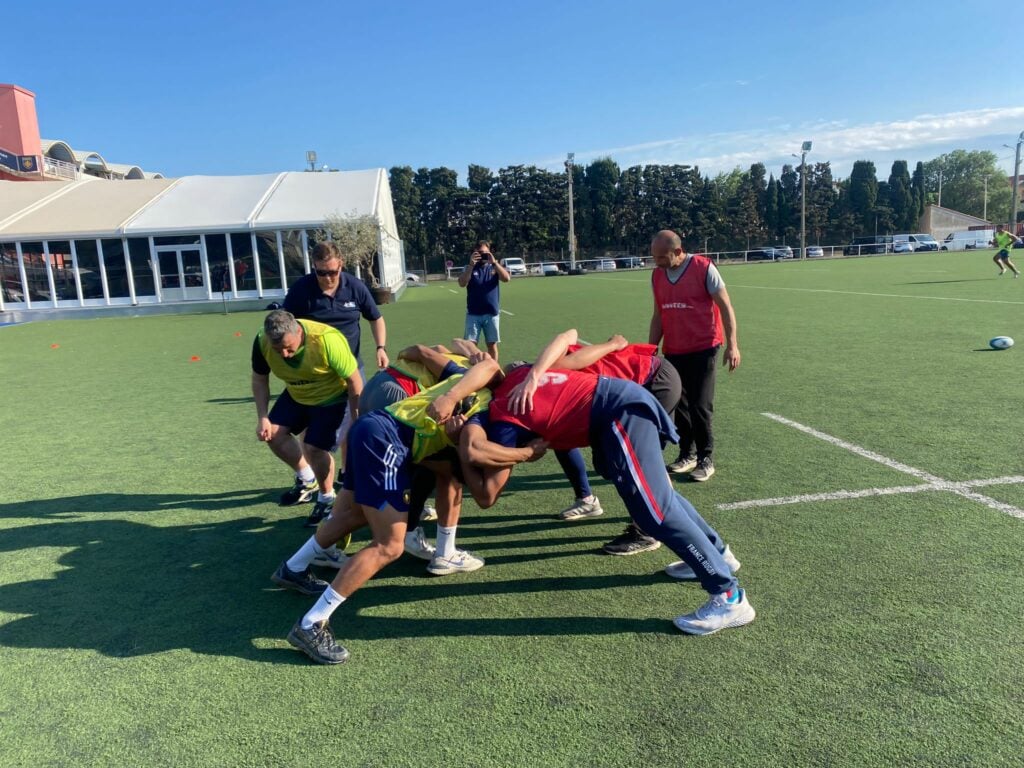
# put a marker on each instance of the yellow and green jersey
(1004, 241)
(429, 436)
(316, 374)
(421, 373)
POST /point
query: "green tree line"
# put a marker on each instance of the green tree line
(523, 209)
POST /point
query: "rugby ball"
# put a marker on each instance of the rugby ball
(1001, 342)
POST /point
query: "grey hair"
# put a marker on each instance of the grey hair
(279, 324)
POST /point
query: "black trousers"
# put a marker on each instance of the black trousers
(696, 407)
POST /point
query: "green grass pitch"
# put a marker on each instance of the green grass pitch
(139, 526)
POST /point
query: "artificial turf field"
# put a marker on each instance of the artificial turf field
(139, 526)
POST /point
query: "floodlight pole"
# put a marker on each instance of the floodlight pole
(1016, 181)
(804, 149)
(984, 212)
(572, 222)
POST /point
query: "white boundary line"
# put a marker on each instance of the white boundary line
(931, 482)
(506, 312)
(886, 295)
(452, 290)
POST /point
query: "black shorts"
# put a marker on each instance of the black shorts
(321, 422)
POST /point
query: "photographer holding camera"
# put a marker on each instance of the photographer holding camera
(481, 280)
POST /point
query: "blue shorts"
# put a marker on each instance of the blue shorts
(321, 422)
(488, 324)
(1003, 255)
(379, 466)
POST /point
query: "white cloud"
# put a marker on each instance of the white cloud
(835, 141)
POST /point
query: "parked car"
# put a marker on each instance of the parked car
(902, 246)
(550, 268)
(911, 243)
(412, 279)
(630, 262)
(770, 253)
(604, 265)
(870, 244)
(814, 252)
(514, 265)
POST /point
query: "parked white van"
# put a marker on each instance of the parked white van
(968, 240)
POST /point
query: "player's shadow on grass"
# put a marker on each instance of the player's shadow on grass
(136, 502)
(235, 400)
(127, 589)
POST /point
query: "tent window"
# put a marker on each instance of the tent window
(142, 266)
(35, 272)
(89, 269)
(269, 268)
(63, 270)
(217, 259)
(241, 252)
(294, 265)
(9, 273)
(117, 272)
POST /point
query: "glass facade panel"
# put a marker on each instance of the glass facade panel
(89, 269)
(142, 266)
(9, 273)
(241, 251)
(63, 270)
(217, 259)
(294, 265)
(270, 268)
(117, 272)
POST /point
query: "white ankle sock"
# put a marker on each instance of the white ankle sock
(306, 474)
(300, 561)
(325, 606)
(445, 540)
(325, 497)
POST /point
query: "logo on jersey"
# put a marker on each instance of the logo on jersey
(677, 305)
(552, 378)
(349, 305)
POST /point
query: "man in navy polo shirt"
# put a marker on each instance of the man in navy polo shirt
(332, 297)
(481, 279)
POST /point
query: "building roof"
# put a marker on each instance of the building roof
(61, 150)
(93, 207)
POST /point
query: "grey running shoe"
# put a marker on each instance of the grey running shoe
(631, 541)
(304, 582)
(428, 514)
(460, 562)
(331, 558)
(680, 570)
(299, 493)
(682, 465)
(717, 613)
(318, 643)
(582, 510)
(705, 469)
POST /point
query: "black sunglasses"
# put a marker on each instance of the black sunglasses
(327, 272)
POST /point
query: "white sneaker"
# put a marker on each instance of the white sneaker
(581, 510)
(330, 558)
(429, 513)
(680, 570)
(716, 614)
(460, 562)
(416, 544)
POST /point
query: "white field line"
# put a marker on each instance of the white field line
(886, 295)
(866, 492)
(506, 312)
(932, 482)
(452, 290)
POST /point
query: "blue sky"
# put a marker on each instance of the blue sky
(228, 87)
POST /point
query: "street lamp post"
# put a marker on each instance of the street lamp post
(804, 149)
(1016, 181)
(984, 213)
(572, 222)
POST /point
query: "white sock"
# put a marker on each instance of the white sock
(324, 607)
(300, 561)
(325, 497)
(589, 499)
(306, 474)
(445, 540)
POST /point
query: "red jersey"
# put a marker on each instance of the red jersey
(634, 363)
(690, 320)
(561, 406)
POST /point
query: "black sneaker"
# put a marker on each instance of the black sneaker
(299, 493)
(304, 582)
(632, 541)
(321, 510)
(317, 642)
(683, 464)
(705, 469)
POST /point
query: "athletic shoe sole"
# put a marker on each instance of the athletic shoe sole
(745, 618)
(636, 550)
(448, 570)
(580, 515)
(298, 644)
(295, 587)
(673, 469)
(703, 479)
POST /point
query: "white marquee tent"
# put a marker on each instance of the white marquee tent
(95, 242)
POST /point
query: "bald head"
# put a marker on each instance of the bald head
(667, 249)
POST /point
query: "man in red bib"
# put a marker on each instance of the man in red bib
(692, 318)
